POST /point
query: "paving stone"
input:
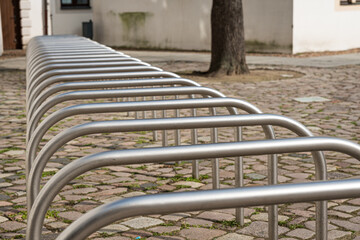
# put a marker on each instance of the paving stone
(4, 197)
(6, 175)
(74, 197)
(216, 216)
(347, 208)
(108, 192)
(3, 219)
(339, 214)
(259, 229)
(142, 222)
(86, 205)
(164, 229)
(149, 185)
(311, 225)
(303, 213)
(355, 219)
(166, 238)
(137, 233)
(79, 191)
(71, 215)
(113, 238)
(145, 178)
(255, 176)
(302, 206)
(336, 234)
(298, 175)
(201, 233)
(166, 188)
(198, 222)
(264, 217)
(311, 99)
(346, 224)
(175, 216)
(133, 194)
(15, 152)
(4, 204)
(114, 228)
(355, 201)
(57, 225)
(112, 199)
(301, 233)
(12, 169)
(5, 184)
(12, 225)
(234, 236)
(189, 183)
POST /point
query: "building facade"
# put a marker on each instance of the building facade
(291, 26)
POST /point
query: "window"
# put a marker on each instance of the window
(349, 2)
(75, 4)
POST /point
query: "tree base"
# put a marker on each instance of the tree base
(223, 72)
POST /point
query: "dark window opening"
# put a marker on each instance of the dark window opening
(75, 4)
(349, 2)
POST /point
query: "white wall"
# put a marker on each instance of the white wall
(322, 25)
(185, 24)
(172, 24)
(68, 21)
(31, 12)
(268, 25)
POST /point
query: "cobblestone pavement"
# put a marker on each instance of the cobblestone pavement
(338, 117)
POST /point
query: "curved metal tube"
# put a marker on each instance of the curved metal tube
(180, 153)
(66, 52)
(70, 52)
(49, 70)
(38, 81)
(96, 94)
(106, 84)
(100, 55)
(44, 57)
(85, 64)
(95, 76)
(155, 124)
(208, 200)
(41, 68)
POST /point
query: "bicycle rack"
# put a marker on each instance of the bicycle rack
(191, 201)
(161, 124)
(68, 63)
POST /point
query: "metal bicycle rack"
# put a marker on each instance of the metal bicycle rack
(195, 200)
(67, 63)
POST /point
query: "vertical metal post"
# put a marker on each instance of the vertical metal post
(215, 161)
(239, 177)
(194, 141)
(154, 115)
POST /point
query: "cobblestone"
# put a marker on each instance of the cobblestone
(338, 117)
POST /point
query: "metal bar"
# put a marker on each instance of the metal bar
(177, 153)
(105, 84)
(95, 76)
(208, 200)
(54, 64)
(49, 70)
(239, 177)
(38, 81)
(154, 124)
(34, 119)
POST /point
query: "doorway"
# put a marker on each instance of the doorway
(11, 26)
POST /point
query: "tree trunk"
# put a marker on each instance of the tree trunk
(227, 39)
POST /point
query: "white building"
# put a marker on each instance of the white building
(270, 25)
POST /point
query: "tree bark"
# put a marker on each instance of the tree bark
(227, 39)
